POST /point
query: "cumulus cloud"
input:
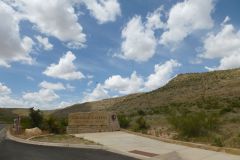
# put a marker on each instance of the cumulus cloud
(139, 42)
(4, 90)
(124, 85)
(64, 104)
(162, 74)
(134, 83)
(12, 47)
(103, 10)
(9, 102)
(185, 18)
(6, 100)
(154, 19)
(55, 18)
(44, 42)
(65, 69)
(52, 86)
(42, 96)
(97, 94)
(224, 45)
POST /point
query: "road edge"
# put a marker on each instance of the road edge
(67, 145)
(28, 141)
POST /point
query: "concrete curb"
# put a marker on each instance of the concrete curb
(39, 136)
(16, 139)
(233, 151)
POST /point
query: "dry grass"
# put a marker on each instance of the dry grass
(63, 139)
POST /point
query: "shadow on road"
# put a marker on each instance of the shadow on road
(10, 150)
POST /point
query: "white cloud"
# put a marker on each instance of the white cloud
(65, 69)
(42, 96)
(133, 84)
(185, 18)
(9, 102)
(4, 90)
(64, 104)
(6, 100)
(139, 42)
(124, 85)
(44, 42)
(97, 94)
(55, 18)
(154, 19)
(103, 10)
(12, 47)
(224, 45)
(52, 86)
(162, 74)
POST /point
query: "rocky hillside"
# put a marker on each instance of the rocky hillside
(214, 86)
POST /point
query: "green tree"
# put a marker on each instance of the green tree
(36, 118)
(123, 121)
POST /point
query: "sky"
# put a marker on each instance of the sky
(61, 52)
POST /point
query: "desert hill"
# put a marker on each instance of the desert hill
(214, 86)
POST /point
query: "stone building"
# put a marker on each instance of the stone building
(87, 122)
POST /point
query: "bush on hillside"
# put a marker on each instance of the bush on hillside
(193, 124)
(141, 124)
(123, 120)
(55, 125)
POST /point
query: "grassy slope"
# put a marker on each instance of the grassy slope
(8, 114)
(212, 92)
(185, 88)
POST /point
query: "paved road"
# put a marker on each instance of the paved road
(10, 150)
(2, 134)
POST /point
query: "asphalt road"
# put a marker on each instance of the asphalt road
(10, 150)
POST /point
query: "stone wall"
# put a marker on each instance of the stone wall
(87, 122)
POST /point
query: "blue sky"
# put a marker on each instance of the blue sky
(54, 54)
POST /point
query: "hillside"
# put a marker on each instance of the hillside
(185, 88)
(197, 107)
(8, 114)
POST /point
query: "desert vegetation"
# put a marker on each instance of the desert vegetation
(49, 123)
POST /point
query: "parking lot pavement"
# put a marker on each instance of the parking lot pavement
(146, 148)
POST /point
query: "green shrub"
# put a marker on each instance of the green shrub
(55, 125)
(141, 124)
(225, 110)
(193, 124)
(141, 112)
(218, 142)
(26, 122)
(235, 103)
(124, 121)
